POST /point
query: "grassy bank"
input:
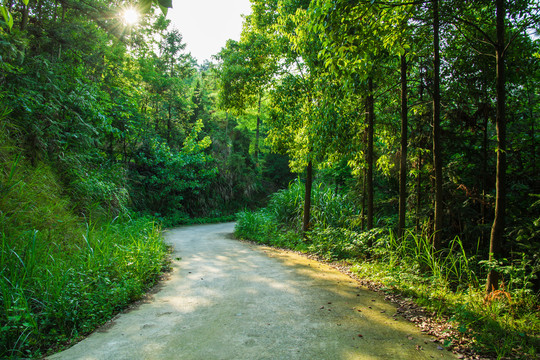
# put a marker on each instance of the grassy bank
(53, 293)
(449, 284)
(63, 275)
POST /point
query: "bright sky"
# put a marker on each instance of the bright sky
(206, 25)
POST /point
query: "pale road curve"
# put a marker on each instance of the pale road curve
(227, 299)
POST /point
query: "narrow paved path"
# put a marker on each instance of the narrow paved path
(227, 299)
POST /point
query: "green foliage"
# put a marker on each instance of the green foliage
(332, 243)
(164, 5)
(262, 227)
(60, 280)
(104, 119)
(330, 209)
(286, 205)
(164, 177)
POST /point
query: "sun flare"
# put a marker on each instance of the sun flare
(131, 16)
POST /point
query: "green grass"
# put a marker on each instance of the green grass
(51, 294)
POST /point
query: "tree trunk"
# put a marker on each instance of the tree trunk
(437, 160)
(420, 159)
(418, 192)
(497, 230)
(24, 17)
(169, 123)
(403, 162)
(307, 197)
(369, 180)
(64, 8)
(484, 175)
(257, 132)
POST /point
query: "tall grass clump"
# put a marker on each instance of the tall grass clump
(62, 276)
(449, 267)
(329, 209)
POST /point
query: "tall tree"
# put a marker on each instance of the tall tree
(437, 146)
(403, 155)
(245, 71)
(477, 28)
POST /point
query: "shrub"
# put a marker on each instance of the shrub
(338, 243)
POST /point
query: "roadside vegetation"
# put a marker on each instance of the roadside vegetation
(448, 283)
(62, 276)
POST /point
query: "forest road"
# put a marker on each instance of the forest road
(227, 299)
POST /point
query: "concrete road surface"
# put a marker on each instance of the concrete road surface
(228, 299)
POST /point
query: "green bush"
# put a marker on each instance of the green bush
(262, 227)
(339, 243)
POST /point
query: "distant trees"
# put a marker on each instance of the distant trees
(123, 112)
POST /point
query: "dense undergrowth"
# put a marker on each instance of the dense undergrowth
(449, 283)
(62, 275)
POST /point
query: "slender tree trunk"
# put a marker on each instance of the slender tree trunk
(497, 230)
(364, 200)
(418, 192)
(369, 180)
(307, 197)
(420, 159)
(257, 131)
(24, 17)
(437, 148)
(169, 124)
(484, 175)
(403, 162)
(64, 8)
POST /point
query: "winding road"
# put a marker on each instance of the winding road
(227, 299)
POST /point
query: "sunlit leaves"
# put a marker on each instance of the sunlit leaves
(164, 5)
(8, 19)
